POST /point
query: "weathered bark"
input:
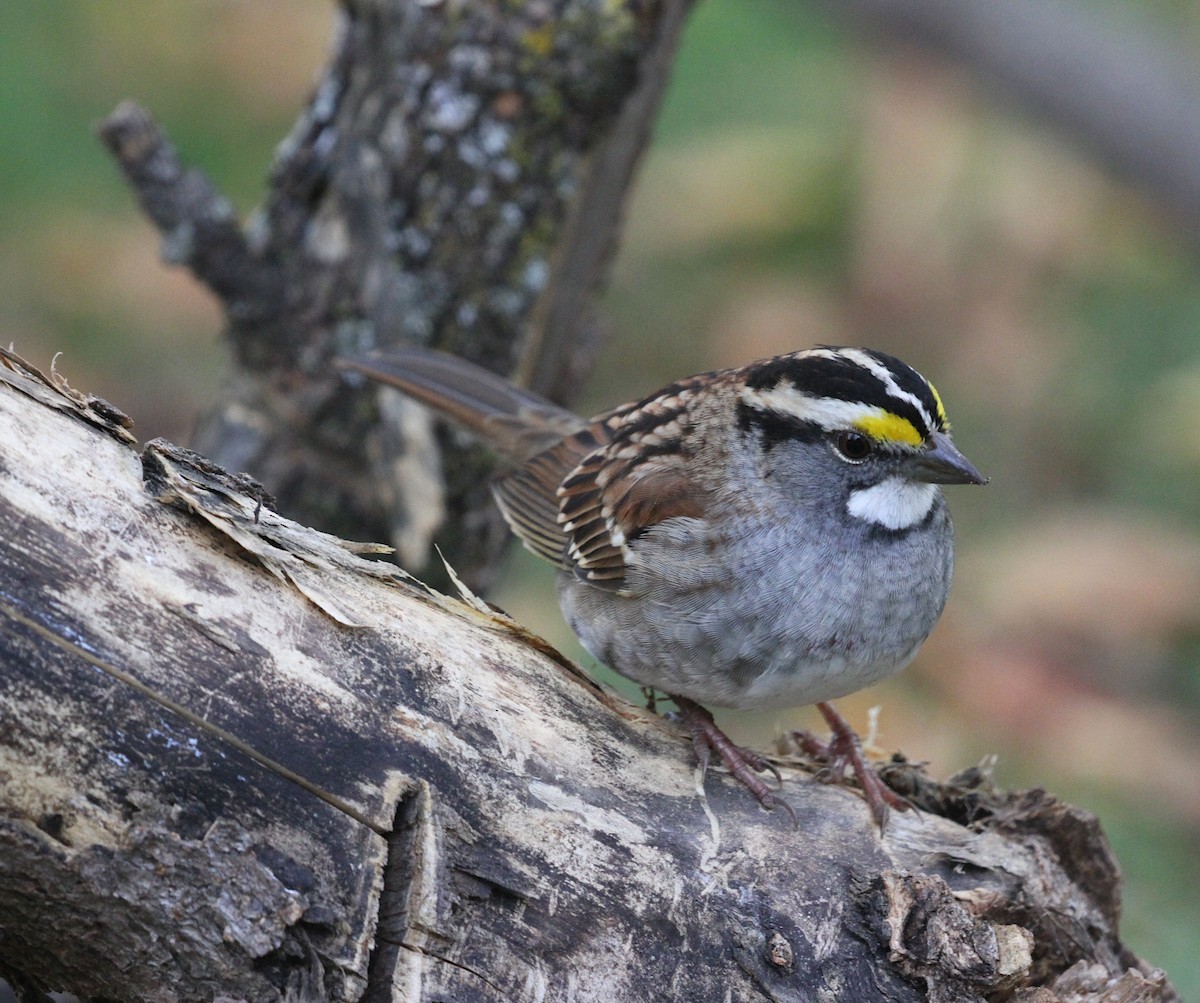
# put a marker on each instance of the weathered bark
(239, 760)
(456, 180)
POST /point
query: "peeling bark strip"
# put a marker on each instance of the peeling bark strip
(239, 760)
(456, 180)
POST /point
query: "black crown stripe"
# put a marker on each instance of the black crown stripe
(839, 378)
(909, 380)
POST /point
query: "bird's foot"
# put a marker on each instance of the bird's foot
(845, 750)
(744, 764)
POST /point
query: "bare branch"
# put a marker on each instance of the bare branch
(198, 224)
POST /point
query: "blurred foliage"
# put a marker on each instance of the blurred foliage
(803, 187)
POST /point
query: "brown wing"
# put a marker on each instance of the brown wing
(582, 491)
(528, 495)
(602, 524)
(583, 502)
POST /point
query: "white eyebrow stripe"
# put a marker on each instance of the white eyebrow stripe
(884, 375)
(827, 412)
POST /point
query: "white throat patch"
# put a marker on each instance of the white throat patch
(895, 503)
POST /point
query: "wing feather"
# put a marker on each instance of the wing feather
(581, 503)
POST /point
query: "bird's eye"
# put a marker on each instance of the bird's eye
(853, 446)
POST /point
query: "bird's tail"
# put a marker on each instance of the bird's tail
(517, 423)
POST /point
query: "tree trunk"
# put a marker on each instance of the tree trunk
(456, 180)
(241, 761)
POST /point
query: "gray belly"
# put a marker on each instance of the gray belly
(780, 626)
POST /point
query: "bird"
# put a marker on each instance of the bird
(757, 537)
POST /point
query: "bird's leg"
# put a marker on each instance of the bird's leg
(744, 764)
(844, 749)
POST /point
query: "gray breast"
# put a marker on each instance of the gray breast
(779, 617)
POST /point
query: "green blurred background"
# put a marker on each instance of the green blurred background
(803, 187)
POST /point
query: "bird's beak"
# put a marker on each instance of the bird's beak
(940, 462)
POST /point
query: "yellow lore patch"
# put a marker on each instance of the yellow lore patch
(883, 426)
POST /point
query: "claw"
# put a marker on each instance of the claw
(764, 766)
(742, 763)
(845, 750)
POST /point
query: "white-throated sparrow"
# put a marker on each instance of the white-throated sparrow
(758, 537)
